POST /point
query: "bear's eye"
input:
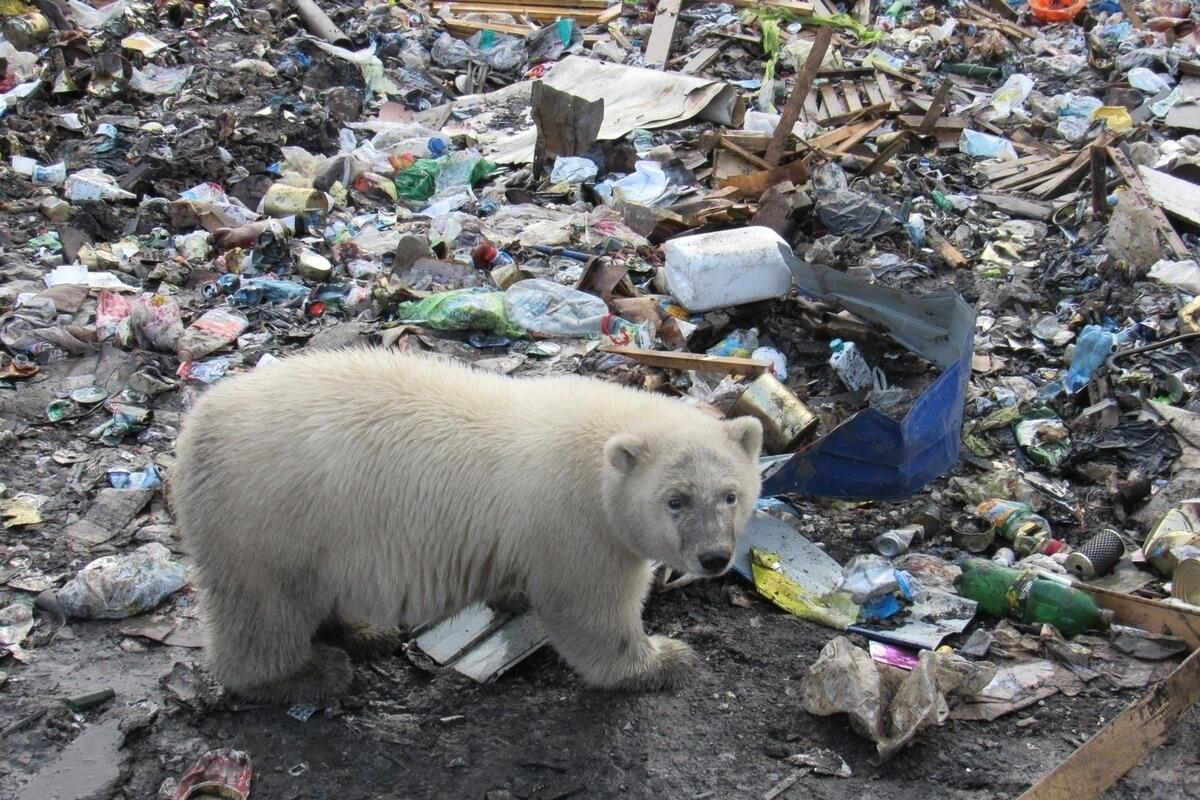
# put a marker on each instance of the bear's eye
(676, 503)
(730, 499)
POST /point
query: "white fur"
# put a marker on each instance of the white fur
(374, 488)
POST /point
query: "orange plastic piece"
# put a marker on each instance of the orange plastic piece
(1056, 10)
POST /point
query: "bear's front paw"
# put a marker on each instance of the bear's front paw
(669, 664)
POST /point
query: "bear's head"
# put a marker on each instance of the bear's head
(681, 497)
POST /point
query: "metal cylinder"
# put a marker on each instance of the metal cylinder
(1098, 555)
(283, 200)
(1185, 583)
(786, 421)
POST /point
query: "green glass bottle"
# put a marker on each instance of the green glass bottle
(1029, 598)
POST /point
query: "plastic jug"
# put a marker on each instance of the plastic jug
(726, 268)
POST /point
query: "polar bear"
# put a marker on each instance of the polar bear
(339, 494)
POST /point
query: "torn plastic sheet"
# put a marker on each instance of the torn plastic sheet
(482, 643)
(870, 455)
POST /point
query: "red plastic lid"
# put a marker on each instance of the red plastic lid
(1052, 547)
(484, 254)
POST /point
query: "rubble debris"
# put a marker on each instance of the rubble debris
(945, 253)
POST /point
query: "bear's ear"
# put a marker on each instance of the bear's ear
(623, 451)
(747, 432)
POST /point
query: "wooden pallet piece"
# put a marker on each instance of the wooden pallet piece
(1134, 181)
(1121, 744)
(658, 48)
(795, 101)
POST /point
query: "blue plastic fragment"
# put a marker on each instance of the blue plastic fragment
(870, 455)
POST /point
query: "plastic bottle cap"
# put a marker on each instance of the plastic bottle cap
(437, 146)
(836, 345)
(1052, 547)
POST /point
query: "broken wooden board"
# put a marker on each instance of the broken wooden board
(1186, 113)
(658, 47)
(1178, 197)
(1018, 206)
(584, 16)
(469, 26)
(797, 7)
(800, 89)
(110, 512)
(1121, 744)
(700, 60)
(1152, 616)
(835, 99)
(1134, 181)
(696, 361)
(753, 184)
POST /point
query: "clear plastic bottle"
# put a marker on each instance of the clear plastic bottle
(1093, 347)
(850, 365)
(551, 309)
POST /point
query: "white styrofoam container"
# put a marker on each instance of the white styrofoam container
(726, 268)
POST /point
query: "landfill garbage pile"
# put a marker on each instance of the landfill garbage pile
(945, 252)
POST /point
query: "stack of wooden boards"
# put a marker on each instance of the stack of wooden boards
(584, 12)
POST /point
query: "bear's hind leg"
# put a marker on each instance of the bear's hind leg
(360, 639)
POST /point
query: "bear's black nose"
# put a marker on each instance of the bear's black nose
(714, 561)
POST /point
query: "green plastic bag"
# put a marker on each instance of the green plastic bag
(476, 309)
(418, 181)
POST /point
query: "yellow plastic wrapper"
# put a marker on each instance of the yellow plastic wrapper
(835, 609)
(1116, 118)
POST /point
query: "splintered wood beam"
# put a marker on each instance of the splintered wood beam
(1121, 744)
(795, 101)
(1099, 161)
(936, 108)
(700, 361)
(658, 48)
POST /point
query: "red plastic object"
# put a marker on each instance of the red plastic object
(225, 773)
(1056, 10)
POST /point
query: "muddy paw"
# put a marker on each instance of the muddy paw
(369, 641)
(326, 674)
(670, 665)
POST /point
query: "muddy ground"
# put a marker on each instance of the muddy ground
(536, 733)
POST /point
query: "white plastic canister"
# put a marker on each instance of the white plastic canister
(726, 268)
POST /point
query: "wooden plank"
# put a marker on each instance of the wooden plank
(1186, 113)
(1099, 166)
(1002, 9)
(745, 154)
(1177, 197)
(856, 137)
(873, 94)
(935, 108)
(885, 87)
(885, 155)
(1152, 616)
(1034, 172)
(804, 79)
(700, 60)
(861, 130)
(1017, 206)
(862, 113)
(467, 26)
(850, 93)
(755, 183)
(547, 14)
(700, 361)
(994, 168)
(833, 104)
(862, 11)
(812, 108)
(1134, 181)
(611, 13)
(658, 48)
(595, 5)
(796, 6)
(1121, 744)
